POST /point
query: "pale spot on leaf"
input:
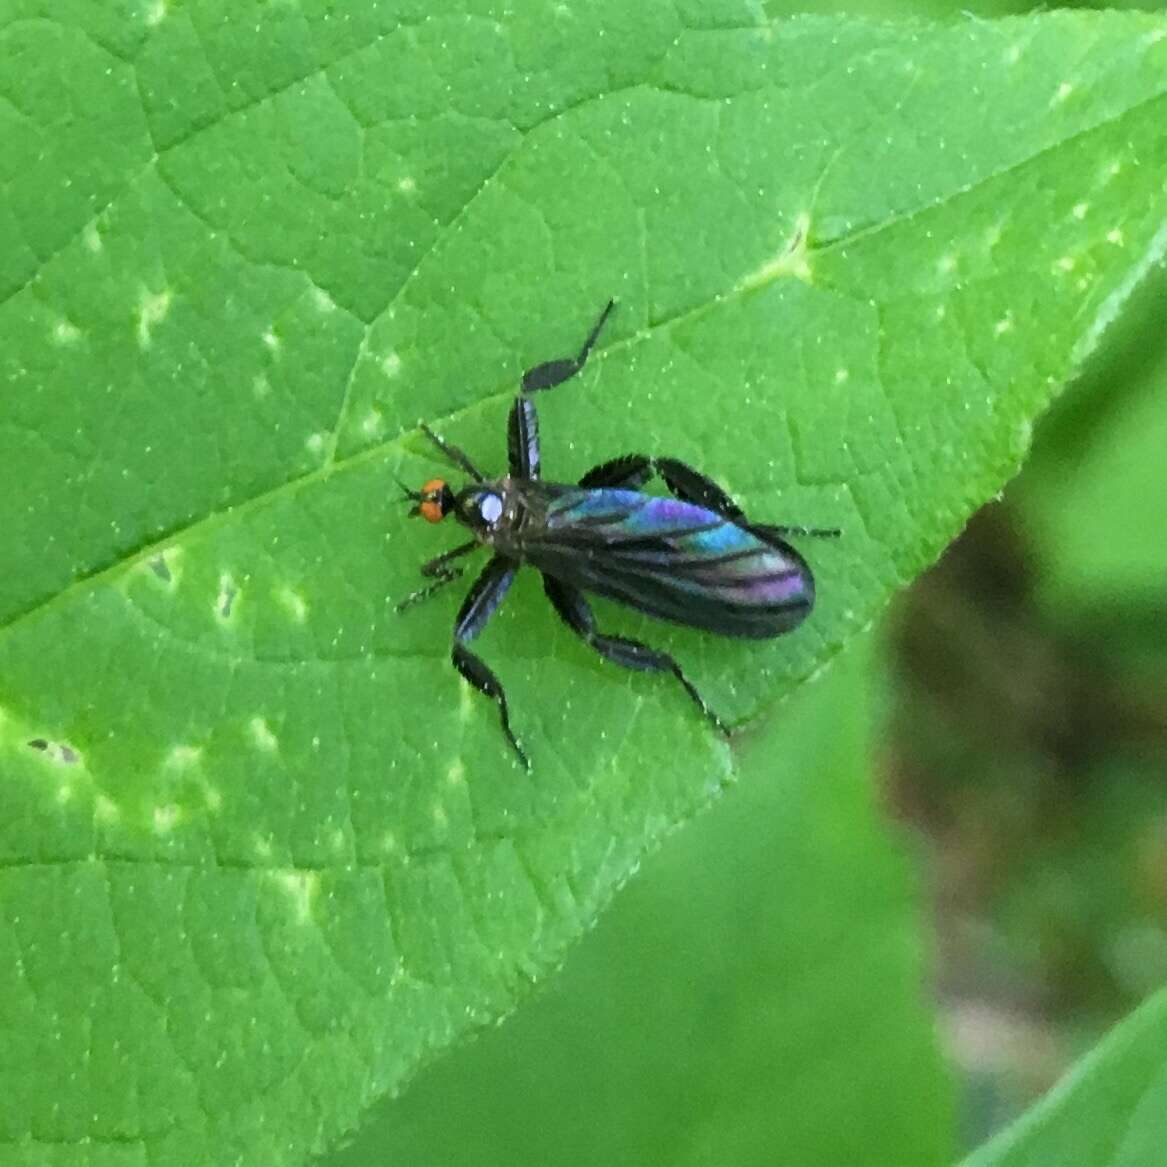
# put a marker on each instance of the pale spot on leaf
(66, 333)
(300, 888)
(165, 818)
(105, 810)
(262, 735)
(793, 260)
(391, 364)
(294, 603)
(183, 756)
(152, 310)
(225, 600)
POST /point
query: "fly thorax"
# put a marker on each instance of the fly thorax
(486, 509)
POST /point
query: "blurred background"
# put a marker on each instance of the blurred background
(1025, 737)
(1025, 724)
(1010, 719)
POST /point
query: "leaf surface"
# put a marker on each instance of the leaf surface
(261, 852)
(758, 985)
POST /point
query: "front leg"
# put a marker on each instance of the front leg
(440, 568)
(483, 600)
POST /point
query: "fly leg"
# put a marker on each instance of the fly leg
(440, 571)
(523, 427)
(576, 613)
(692, 486)
(480, 604)
(552, 373)
(523, 439)
(630, 472)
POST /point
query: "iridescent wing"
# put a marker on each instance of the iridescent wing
(668, 558)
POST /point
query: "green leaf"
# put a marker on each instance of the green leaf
(1093, 526)
(757, 985)
(261, 852)
(1109, 1110)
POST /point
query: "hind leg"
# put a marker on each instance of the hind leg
(576, 613)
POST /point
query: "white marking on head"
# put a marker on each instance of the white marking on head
(490, 508)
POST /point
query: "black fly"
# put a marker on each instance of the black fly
(694, 559)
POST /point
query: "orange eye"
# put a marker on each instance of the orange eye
(430, 508)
